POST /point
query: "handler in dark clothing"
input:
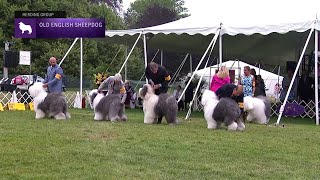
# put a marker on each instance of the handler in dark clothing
(234, 92)
(226, 90)
(305, 87)
(188, 95)
(159, 79)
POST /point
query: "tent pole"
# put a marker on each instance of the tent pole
(144, 71)
(278, 82)
(212, 43)
(210, 77)
(220, 49)
(114, 57)
(126, 65)
(272, 72)
(259, 68)
(175, 75)
(232, 64)
(155, 56)
(30, 64)
(239, 72)
(81, 70)
(145, 53)
(316, 48)
(210, 66)
(161, 58)
(190, 63)
(74, 42)
(5, 69)
(195, 93)
(294, 76)
(134, 45)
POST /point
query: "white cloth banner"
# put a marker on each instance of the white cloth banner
(25, 58)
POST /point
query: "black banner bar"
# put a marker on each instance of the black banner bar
(40, 14)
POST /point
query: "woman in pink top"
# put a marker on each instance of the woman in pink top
(220, 79)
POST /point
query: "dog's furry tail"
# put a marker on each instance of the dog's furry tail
(267, 108)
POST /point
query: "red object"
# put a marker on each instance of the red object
(83, 102)
(18, 80)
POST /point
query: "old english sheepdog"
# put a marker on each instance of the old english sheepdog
(225, 110)
(157, 106)
(258, 108)
(48, 104)
(107, 107)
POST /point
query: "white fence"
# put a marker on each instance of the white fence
(5, 98)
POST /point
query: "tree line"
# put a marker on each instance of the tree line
(97, 53)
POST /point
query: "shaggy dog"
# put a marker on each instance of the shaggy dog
(107, 107)
(157, 106)
(258, 108)
(225, 110)
(24, 27)
(48, 104)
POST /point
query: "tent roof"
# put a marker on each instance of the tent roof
(200, 25)
(254, 18)
(234, 64)
(243, 17)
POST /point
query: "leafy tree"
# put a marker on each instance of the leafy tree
(140, 10)
(114, 4)
(97, 53)
(155, 15)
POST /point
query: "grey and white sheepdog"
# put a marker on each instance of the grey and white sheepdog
(225, 110)
(48, 104)
(158, 106)
(107, 107)
(258, 108)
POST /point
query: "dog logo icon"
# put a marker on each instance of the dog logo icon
(25, 27)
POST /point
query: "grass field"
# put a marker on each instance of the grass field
(83, 149)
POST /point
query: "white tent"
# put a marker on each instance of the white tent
(285, 22)
(270, 79)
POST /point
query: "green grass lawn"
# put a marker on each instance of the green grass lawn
(83, 149)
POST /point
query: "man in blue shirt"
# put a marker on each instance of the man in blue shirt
(53, 79)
